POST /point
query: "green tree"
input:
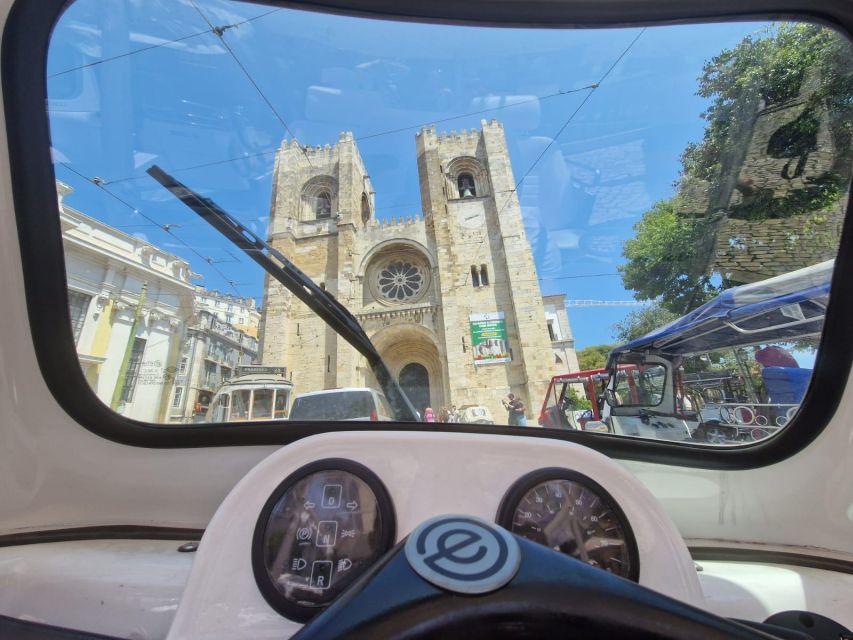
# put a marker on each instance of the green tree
(594, 357)
(642, 321)
(770, 70)
(671, 257)
(666, 259)
(578, 402)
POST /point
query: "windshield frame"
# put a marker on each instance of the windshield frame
(25, 44)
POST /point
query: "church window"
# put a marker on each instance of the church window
(465, 182)
(400, 280)
(551, 330)
(365, 208)
(323, 205)
(479, 275)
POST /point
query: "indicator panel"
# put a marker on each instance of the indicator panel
(573, 514)
(322, 527)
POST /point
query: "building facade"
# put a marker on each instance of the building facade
(211, 353)
(451, 300)
(129, 305)
(240, 313)
(560, 333)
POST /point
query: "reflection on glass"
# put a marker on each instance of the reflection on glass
(491, 224)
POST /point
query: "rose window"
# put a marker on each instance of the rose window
(400, 280)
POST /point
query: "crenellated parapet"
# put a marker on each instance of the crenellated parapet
(409, 226)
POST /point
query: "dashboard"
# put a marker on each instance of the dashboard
(314, 516)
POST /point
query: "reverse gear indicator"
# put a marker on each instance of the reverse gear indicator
(322, 527)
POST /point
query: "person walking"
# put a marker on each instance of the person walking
(454, 414)
(515, 411)
(520, 418)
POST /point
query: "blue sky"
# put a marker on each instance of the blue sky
(188, 103)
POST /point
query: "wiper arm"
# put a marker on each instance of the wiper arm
(320, 301)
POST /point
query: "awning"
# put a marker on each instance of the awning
(785, 307)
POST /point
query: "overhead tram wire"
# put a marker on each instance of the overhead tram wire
(374, 135)
(474, 113)
(200, 166)
(157, 46)
(592, 89)
(220, 32)
(167, 228)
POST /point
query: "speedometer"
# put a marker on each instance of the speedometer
(573, 514)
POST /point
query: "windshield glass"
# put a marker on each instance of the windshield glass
(343, 405)
(495, 207)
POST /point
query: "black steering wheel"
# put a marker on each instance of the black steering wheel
(545, 595)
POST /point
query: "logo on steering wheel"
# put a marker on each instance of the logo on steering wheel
(463, 554)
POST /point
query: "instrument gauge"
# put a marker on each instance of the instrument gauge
(321, 528)
(572, 514)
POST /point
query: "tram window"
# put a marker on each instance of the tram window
(262, 404)
(240, 402)
(281, 398)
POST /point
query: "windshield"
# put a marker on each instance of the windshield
(344, 405)
(494, 207)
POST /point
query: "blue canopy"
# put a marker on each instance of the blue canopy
(786, 307)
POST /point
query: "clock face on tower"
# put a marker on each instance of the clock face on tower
(470, 218)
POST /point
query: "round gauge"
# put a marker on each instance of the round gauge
(320, 529)
(573, 514)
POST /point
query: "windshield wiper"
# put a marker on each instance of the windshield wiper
(320, 301)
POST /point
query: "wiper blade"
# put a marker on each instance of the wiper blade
(320, 301)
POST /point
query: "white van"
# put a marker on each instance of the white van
(354, 403)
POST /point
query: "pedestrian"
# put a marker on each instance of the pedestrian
(509, 404)
(521, 418)
(454, 414)
(444, 414)
(774, 356)
(428, 415)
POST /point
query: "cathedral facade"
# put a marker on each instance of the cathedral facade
(451, 300)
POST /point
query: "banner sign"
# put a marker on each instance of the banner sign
(488, 338)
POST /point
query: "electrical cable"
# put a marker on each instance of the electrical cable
(156, 46)
(377, 134)
(592, 90)
(165, 227)
(220, 32)
(474, 113)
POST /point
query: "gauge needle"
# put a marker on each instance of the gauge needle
(577, 532)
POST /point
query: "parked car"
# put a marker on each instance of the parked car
(356, 403)
(475, 413)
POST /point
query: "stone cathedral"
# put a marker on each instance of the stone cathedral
(417, 286)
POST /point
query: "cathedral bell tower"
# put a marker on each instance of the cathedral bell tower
(322, 199)
(485, 269)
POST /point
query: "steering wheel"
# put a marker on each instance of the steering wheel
(462, 578)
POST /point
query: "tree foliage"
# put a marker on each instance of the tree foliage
(594, 357)
(766, 71)
(642, 321)
(666, 260)
(670, 259)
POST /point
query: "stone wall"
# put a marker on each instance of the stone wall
(748, 248)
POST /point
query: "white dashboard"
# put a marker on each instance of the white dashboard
(425, 474)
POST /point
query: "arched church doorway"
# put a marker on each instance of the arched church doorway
(414, 380)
